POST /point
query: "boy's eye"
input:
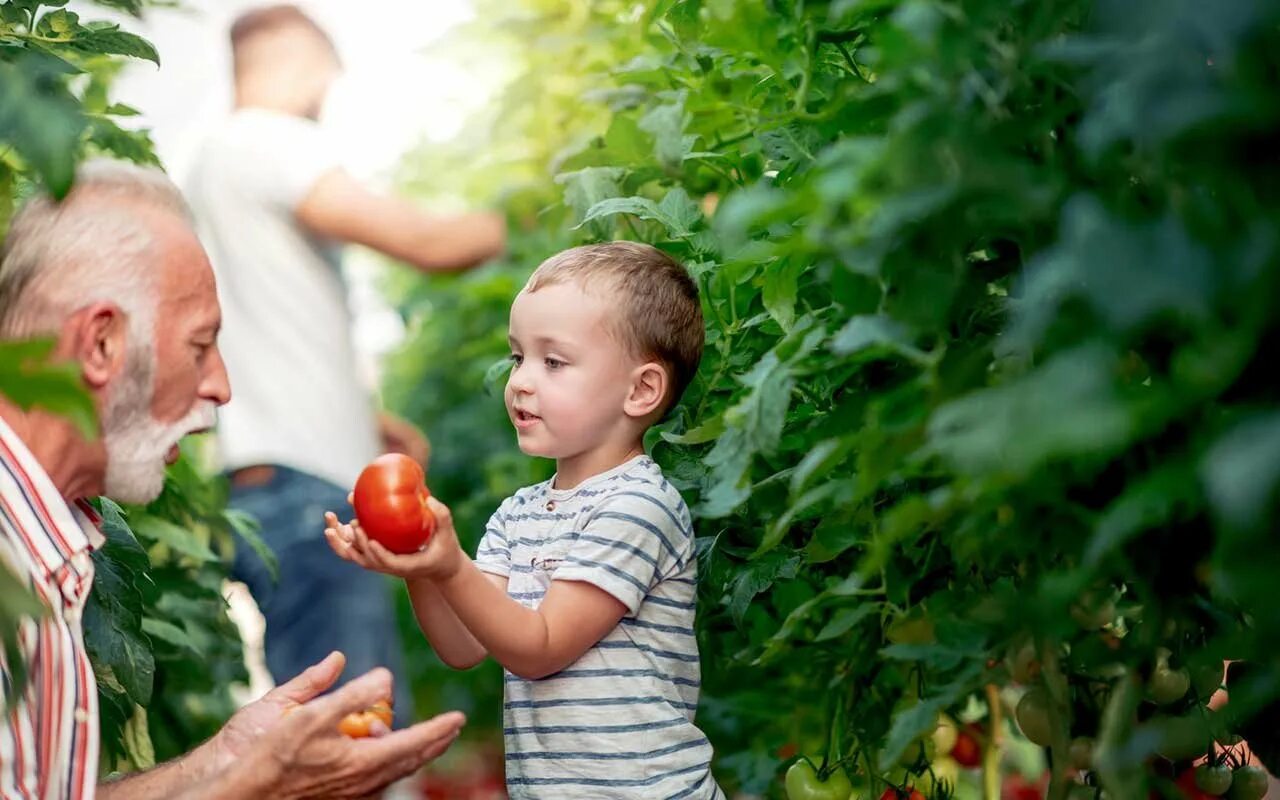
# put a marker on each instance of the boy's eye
(553, 363)
(516, 359)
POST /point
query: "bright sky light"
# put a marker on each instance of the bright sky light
(400, 87)
(397, 90)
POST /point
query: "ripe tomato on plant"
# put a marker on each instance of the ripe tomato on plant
(967, 752)
(1016, 787)
(390, 498)
(359, 725)
(803, 782)
(1187, 787)
(909, 793)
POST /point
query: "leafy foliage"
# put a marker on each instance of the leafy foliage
(156, 628)
(988, 289)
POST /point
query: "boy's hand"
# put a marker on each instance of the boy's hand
(438, 560)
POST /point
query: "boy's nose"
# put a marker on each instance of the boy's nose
(519, 382)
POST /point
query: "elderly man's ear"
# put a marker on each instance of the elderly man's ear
(97, 337)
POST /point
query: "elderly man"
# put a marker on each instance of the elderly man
(116, 275)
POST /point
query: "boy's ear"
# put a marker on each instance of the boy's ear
(648, 389)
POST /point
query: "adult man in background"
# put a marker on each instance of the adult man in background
(115, 275)
(273, 204)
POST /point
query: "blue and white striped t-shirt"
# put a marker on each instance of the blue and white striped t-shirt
(618, 722)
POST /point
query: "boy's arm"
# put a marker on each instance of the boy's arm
(531, 643)
(448, 636)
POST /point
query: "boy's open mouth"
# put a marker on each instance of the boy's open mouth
(525, 418)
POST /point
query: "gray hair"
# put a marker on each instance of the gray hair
(61, 256)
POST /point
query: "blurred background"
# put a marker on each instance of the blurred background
(984, 451)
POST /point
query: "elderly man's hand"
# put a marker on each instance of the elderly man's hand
(301, 754)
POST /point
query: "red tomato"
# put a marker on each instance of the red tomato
(902, 794)
(1187, 786)
(1016, 787)
(360, 724)
(967, 752)
(391, 503)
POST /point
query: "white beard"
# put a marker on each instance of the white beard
(136, 443)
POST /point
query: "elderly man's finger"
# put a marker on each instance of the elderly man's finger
(312, 681)
(416, 744)
(357, 695)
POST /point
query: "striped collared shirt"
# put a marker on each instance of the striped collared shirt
(49, 734)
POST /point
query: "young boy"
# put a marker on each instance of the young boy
(583, 586)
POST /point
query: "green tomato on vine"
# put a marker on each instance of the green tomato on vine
(804, 782)
(1248, 783)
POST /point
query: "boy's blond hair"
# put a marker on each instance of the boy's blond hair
(659, 315)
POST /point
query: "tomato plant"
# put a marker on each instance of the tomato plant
(984, 376)
(390, 499)
(805, 782)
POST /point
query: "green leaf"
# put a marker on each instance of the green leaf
(113, 625)
(1153, 500)
(876, 334)
(40, 119)
(114, 41)
(907, 727)
(586, 188)
(818, 461)
(29, 380)
(754, 424)
(181, 540)
(781, 287)
(16, 603)
(249, 530)
(708, 431)
(1068, 407)
(137, 739)
(168, 632)
(1241, 472)
(845, 620)
(666, 123)
(757, 576)
(677, 213)
(807, 505)
(1128, 274)
(131, 145)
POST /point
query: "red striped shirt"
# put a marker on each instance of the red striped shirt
(49, 734)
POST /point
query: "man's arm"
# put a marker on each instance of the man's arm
(340, 207)
(173, 779)
(264, 752)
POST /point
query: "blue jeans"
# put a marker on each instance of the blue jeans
(320, 603)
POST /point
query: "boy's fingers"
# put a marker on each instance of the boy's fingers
(437, 508)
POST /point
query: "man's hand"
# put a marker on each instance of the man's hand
(438, 560)
(289, 739)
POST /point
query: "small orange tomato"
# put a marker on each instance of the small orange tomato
(359, 725)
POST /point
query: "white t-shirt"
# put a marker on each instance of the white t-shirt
(296, 399)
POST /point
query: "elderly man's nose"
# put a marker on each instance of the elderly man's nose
(216, 386)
